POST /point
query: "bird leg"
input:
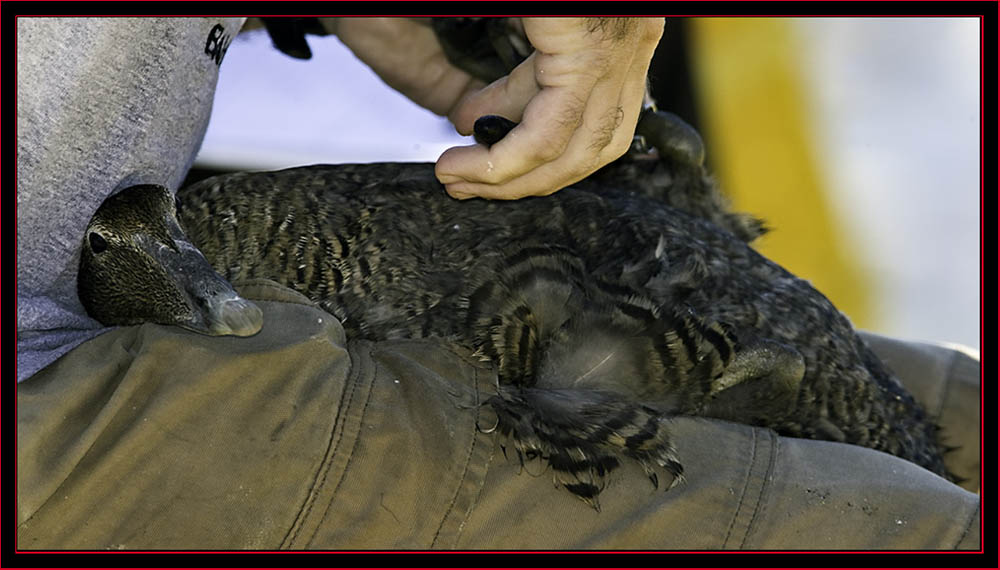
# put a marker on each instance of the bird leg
(762, 380)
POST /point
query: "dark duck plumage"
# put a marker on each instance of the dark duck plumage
(606, 307)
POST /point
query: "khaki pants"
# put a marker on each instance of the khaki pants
(152, 437)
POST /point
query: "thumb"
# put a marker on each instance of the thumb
(507, 97)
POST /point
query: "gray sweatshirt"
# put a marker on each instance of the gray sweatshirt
(102, 104)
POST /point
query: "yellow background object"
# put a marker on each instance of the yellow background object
(760, 147)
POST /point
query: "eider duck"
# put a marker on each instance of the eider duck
(628, 297)
(133, 241)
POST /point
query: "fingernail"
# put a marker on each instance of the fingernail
(458, 195)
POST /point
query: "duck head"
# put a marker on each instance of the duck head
(137, 265)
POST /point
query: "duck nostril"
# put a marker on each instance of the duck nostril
(97, 243)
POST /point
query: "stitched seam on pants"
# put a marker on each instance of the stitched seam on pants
(746, 485)
(350, 455)
(465, 468)
(319, 480)
(945, 388)
(450, 347)
(758, 508)
(968, 527)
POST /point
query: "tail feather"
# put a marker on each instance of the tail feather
(583, 435)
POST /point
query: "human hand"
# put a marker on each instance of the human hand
(406, 54)
(577, 98)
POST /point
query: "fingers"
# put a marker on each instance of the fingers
(577, 108)
(559, 150)
(407, 56)
(579, 157)
(507, 97)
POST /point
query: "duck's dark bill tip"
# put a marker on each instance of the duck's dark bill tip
(237, 317)
(489, 129)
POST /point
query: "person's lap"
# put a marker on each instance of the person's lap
(153, 437)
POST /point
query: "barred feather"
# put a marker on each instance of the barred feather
(607, 308)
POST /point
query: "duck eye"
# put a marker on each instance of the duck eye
(97, 243)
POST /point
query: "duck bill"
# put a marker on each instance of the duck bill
(215, 308)
(230, 314)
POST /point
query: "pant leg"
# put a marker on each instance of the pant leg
(152, 437)
(946, 379)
